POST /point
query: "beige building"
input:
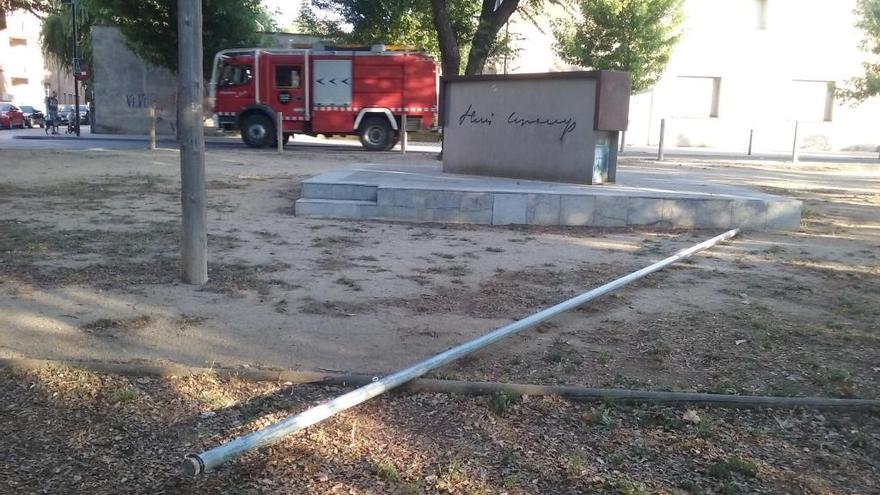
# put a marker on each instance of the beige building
(25, 77)
(746, 65)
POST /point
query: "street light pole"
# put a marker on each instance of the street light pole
(191, 135)
(77, 67)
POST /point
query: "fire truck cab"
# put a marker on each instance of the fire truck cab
(324, 90)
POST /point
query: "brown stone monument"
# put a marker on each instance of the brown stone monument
(560, 126)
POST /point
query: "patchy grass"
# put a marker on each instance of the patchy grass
(453, 270)
(726, 468)
(348, 282)
(500, 403)
(386, 471)
(310, 305)
(336, 241)
(122, 395)
(105, 325)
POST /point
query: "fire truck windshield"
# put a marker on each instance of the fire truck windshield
(234, 75)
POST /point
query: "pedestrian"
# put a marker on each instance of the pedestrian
(52, 113)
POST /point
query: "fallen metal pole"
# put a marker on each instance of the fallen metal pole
(195, 464)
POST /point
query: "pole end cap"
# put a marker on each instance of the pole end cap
(192, 465)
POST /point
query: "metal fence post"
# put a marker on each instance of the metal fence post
(279, 131)
(404, 136)
(795, 153)
(152, 127)
(662, 140)
(751, 138)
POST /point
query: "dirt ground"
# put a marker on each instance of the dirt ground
(88, 270)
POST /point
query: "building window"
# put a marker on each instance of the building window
(19, 81)
(812, 100)
(286, 76)
(17, 41)
(697, 97)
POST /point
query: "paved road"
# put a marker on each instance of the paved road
(37, 139)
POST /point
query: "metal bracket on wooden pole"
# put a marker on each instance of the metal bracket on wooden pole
(194, 237)
(662, 140)
(152, 127)
(279, 132)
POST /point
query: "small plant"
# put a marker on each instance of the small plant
(706, 429)
(839, 382)
(501, 402)
(787, 388)
(452, 476)
(554, 356)
(512, 480)
(616, 459)
(577, 465)
(386, 471)
(626, 486)
(123, 395)
(411, 487)
(688, 486)
(598, 416)
(725, 469)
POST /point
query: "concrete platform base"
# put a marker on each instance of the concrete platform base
(640, 198)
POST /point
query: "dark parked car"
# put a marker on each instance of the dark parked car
(32, 116)
(63, 112)
(67, 110)
(10, 116)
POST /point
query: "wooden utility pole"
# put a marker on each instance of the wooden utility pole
(194, 237)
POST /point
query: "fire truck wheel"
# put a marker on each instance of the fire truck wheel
(257, 131)
(376, 134)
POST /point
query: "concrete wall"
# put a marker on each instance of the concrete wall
(535, 126)
(126, 87)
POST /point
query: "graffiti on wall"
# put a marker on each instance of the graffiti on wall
(141, 100)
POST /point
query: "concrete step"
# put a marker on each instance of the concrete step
(336, 208)
(352, 192)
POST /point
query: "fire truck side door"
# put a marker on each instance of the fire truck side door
(288, 89)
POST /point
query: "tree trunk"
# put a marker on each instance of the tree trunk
(450, 58)
(491, 22)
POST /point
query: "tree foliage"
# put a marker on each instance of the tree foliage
(635, 36)
(150, 27)
(464, 33)
(868, 20)
(37, 7)
(56, 35)
(395, 22)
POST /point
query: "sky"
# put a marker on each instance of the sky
(284, 11)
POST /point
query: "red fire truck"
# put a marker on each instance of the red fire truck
(324, 90)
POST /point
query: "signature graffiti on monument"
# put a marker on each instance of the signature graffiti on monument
(140, 100)
(470, 116)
